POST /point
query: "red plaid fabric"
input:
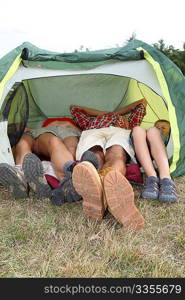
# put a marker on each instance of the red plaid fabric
(135, 117)
(86, 121)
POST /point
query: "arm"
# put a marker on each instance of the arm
(121, 111)
(91, 111)
(128, 108)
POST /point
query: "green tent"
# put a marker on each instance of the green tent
(36, 84)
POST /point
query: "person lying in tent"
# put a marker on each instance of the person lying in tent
(57, 142)
(107, 135)
(150, 145)
(125, 117)
(33, 173)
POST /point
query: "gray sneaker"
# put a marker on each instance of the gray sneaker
(90, 157)
(34, 174)
(66, 191)
(151, 188)
(167, 190)
(13, 179)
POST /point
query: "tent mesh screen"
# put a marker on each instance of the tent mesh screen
(16, 110)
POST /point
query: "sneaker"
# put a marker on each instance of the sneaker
(120, 200)
(87, 156)
(151, 188)
(167, 190)
(104, 171)
(87, 183)
(90, 157)
(34, 174)
(64, 193)
(14, 180)
(68, 168)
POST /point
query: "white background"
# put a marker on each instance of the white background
(64, 26)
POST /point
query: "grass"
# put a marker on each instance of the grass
(40, 240)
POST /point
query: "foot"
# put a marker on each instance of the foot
(11, 178)
(64, 193)
(34, 174)
(120, 200)
(87, 156)
(151, 188)
(167, 190)
(88, 184)
(90, 157)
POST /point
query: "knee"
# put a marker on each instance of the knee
(25, 143)
(54, 142)
(138, 131)
(152, 133)
(115, 149)
(115, 152)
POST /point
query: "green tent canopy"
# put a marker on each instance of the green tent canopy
(36, 84)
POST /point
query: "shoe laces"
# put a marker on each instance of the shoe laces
(152, 183)
(20, 173)
(103, 172)
(167, 186)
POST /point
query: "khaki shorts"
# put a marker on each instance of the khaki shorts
(59, 131)
(105, 137)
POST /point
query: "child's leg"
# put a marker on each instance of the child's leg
(167, 189)
(142, 151)
(158, 152)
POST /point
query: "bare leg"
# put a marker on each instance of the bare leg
(163, 189)
(158, 152)
(13, 177)
(142, 151)
(98, 151)
(24, 146)
(51, 146)
(116, 157)
(71, 144)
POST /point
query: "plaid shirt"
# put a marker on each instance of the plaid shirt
(86, 121)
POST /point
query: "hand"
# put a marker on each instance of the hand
(144, 101)
(72, 105)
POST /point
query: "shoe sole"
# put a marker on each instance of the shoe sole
(148, 195)
(87, 183)
(34, 174)
(120, 200)
(167, 200)
(9, 178)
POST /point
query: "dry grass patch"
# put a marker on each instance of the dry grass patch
(41, 240)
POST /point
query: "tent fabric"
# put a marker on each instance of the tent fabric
(165, 91)
(95, 57)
